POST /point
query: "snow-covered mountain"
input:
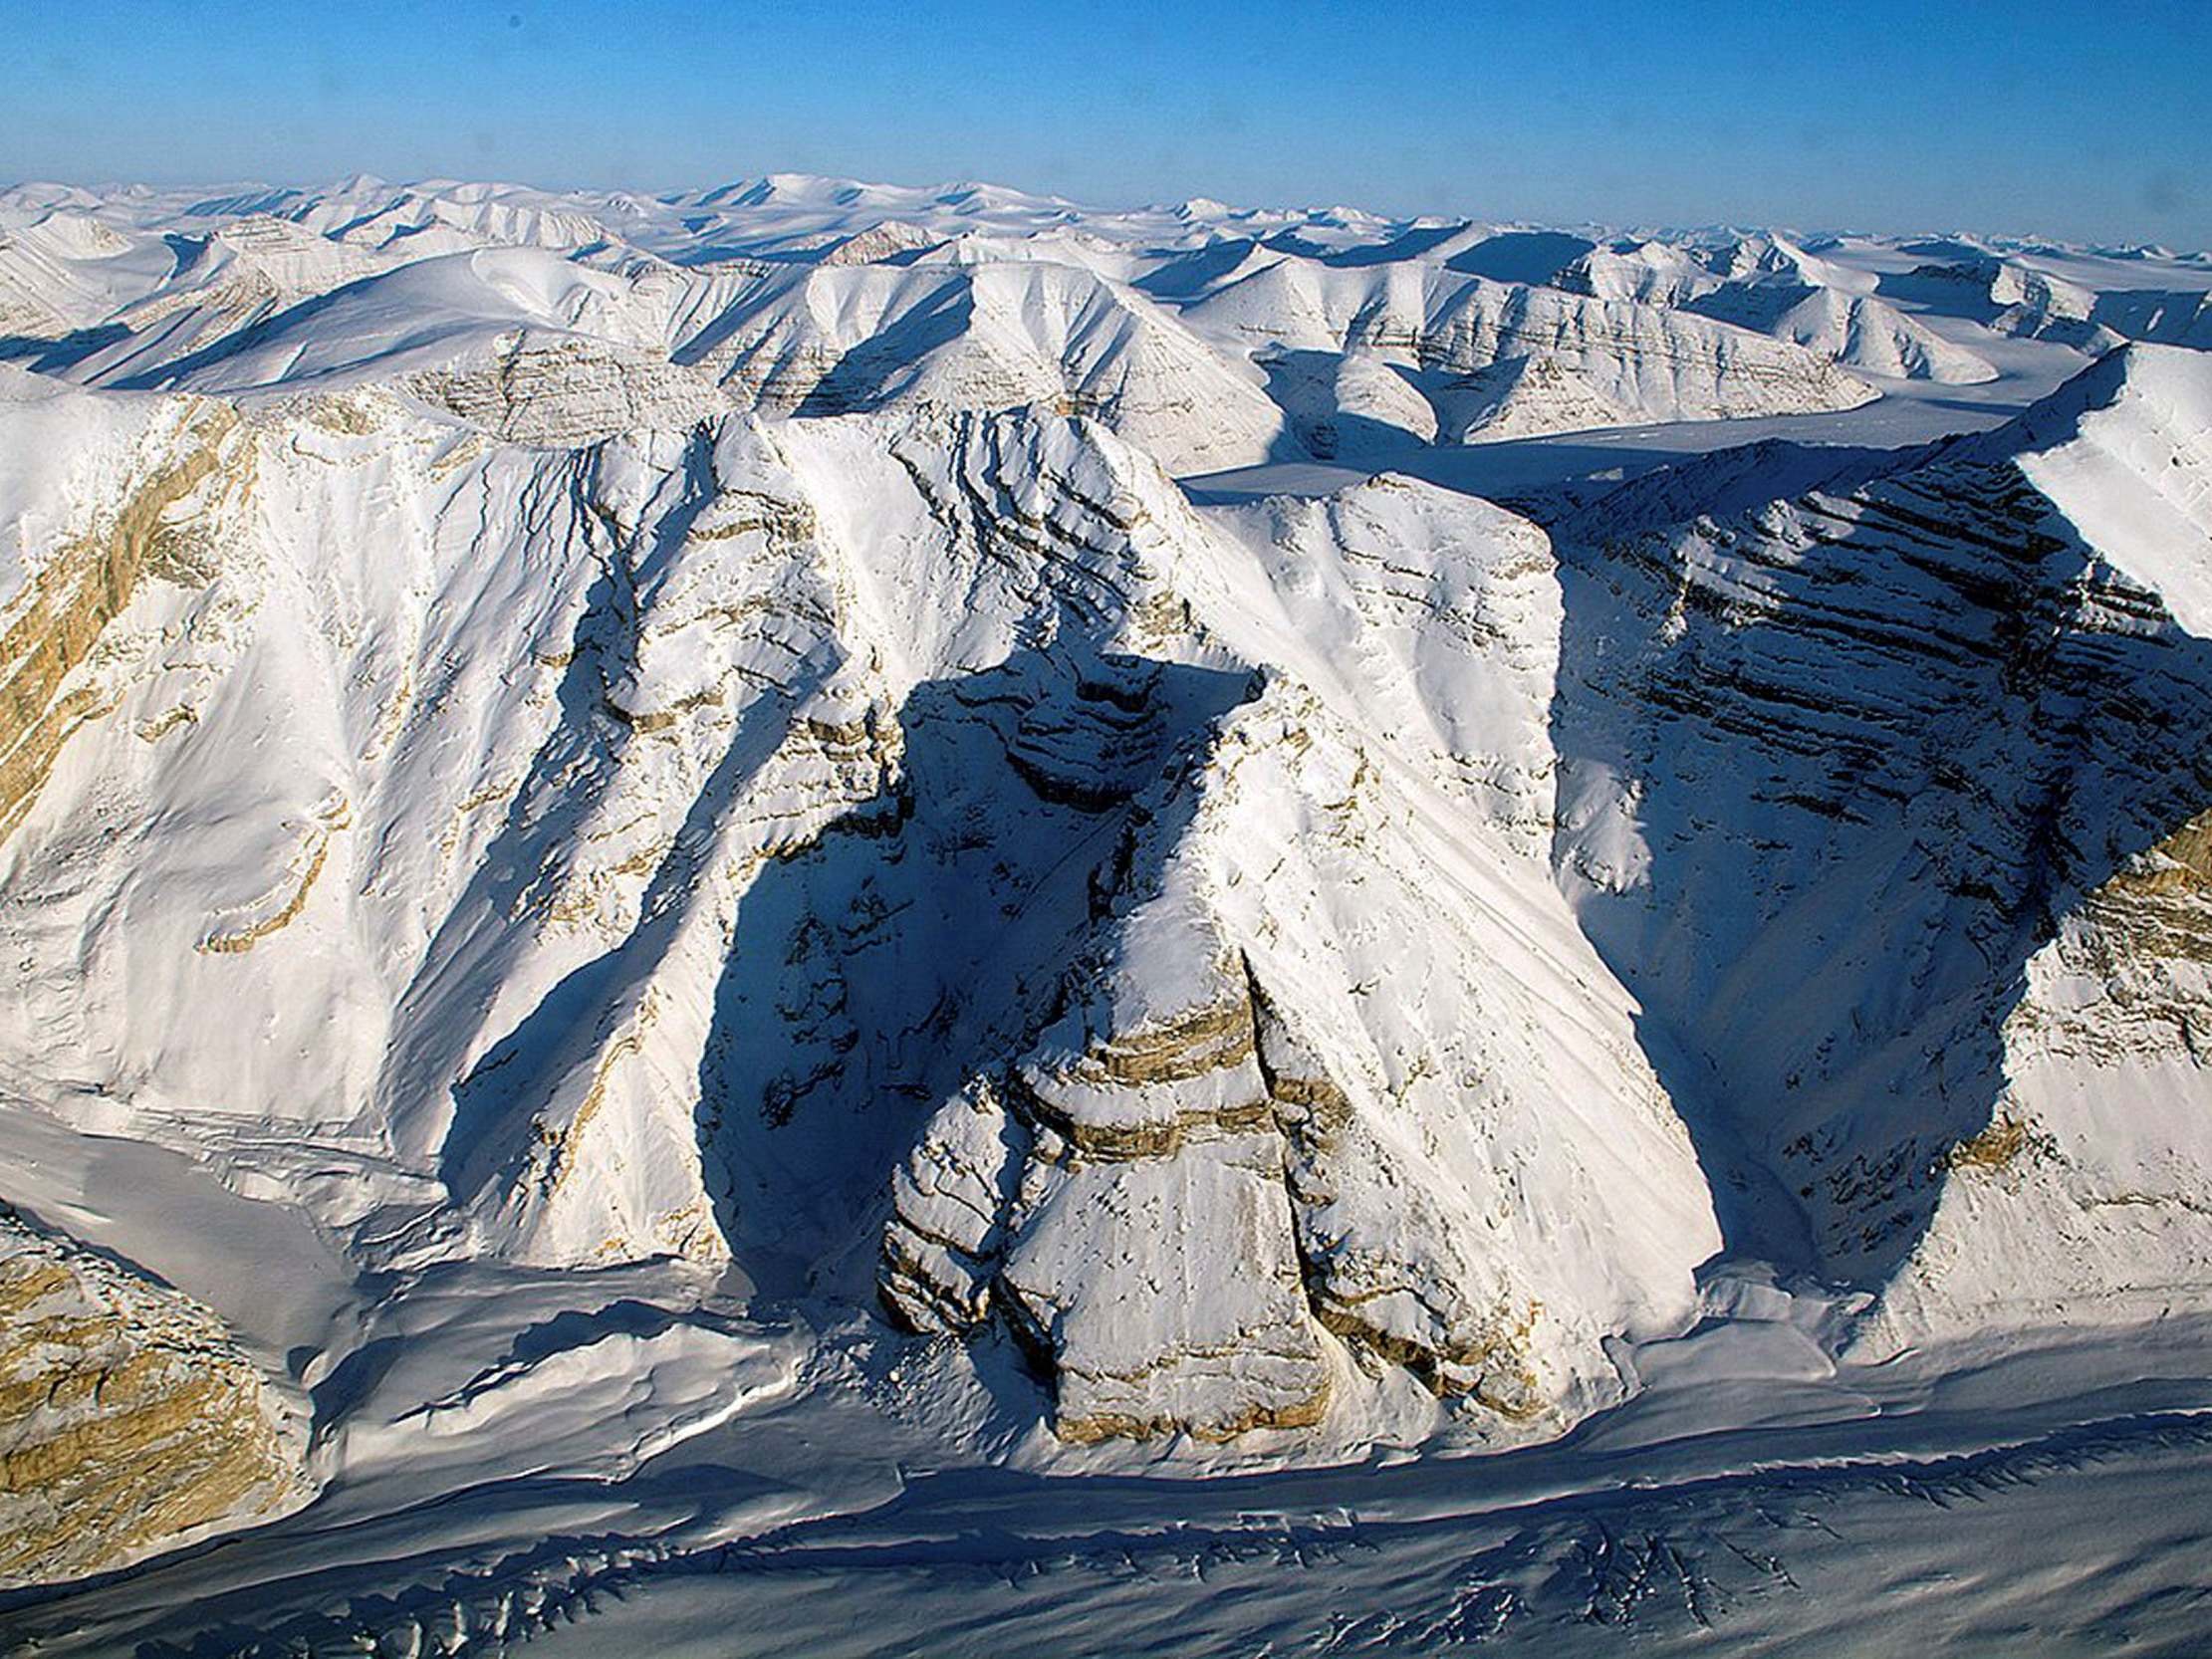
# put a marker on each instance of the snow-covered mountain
(814, 812)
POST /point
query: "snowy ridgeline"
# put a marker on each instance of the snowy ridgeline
(618, 817)
(1212, 337)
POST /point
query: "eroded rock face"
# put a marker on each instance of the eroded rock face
(1887, 809)
(837, 337)
(1231, 1154)
(2085, 1197)
(568, 390)
(827, 772)
(641, 849)
(1126, 1207)
(129, 1420)
(48, 683)
(1494, 359)
(1153, 1146)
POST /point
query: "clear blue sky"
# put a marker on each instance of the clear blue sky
(2060, 116)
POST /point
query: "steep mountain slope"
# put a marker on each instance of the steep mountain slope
(1649, 272)
(1775, 287)
(833, 338)
(62, 271)
(657, 820)
(1861, 787)
(130, 1421)
(1856, 330)
(2009, 297)
(530, 346)
(1503, 360)
(1214, 337)
(727, 744)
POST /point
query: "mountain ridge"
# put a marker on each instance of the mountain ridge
(762, 848)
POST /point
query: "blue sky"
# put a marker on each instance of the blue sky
(2056, 116)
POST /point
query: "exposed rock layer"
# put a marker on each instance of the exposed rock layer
(130, 1421)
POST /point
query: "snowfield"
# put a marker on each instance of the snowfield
(918, 921)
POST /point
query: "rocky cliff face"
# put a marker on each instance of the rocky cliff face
(838, 339)
(1161, 895)
(1863, 787)
(786, 783)
(573, 760)
(1497, 360)
(1328, 1062)
(130, 1421)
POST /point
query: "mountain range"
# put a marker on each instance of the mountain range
(669, 862)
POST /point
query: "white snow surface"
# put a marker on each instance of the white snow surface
(891, 915)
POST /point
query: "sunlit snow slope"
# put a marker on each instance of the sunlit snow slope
(642, 835)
